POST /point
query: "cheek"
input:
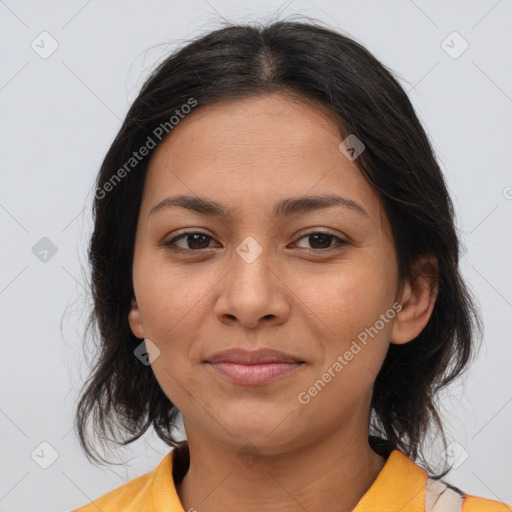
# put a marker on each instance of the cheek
(351, 297)
(170, 297)
(354, 343)
(347, 311)
(174, 304)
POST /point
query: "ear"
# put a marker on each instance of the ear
(418, 297)
(134, 319)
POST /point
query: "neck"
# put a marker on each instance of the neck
(330, 471)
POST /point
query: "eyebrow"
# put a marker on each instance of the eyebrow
(282, 209)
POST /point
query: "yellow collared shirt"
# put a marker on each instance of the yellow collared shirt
(399, 487)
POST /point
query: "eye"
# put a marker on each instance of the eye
(193, 241)
(322, 239)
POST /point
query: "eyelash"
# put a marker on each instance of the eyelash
(170, 243)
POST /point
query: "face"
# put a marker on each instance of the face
(316, 283)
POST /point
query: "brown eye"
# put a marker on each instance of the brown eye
(193, 241)
(320, 240)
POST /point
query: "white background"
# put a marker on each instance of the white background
(59, 116)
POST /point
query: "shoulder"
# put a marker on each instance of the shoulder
(130, 497)
(133, 496)
(476, 504)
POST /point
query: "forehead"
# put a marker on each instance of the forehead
(257, 123)
(249, 152)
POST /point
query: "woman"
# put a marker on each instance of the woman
(274, 257)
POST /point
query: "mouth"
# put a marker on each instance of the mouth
(253, 368)
(254, 374)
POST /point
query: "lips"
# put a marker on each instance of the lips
(254, 368)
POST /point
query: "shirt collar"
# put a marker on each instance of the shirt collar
(399, 487)
(165, 496)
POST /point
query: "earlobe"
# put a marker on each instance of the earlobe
(418, 300)
(134, 320)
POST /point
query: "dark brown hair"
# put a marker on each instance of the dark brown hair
(122, 397)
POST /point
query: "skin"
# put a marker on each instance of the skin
(304, 296)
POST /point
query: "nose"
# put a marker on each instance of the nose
(253, 293)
